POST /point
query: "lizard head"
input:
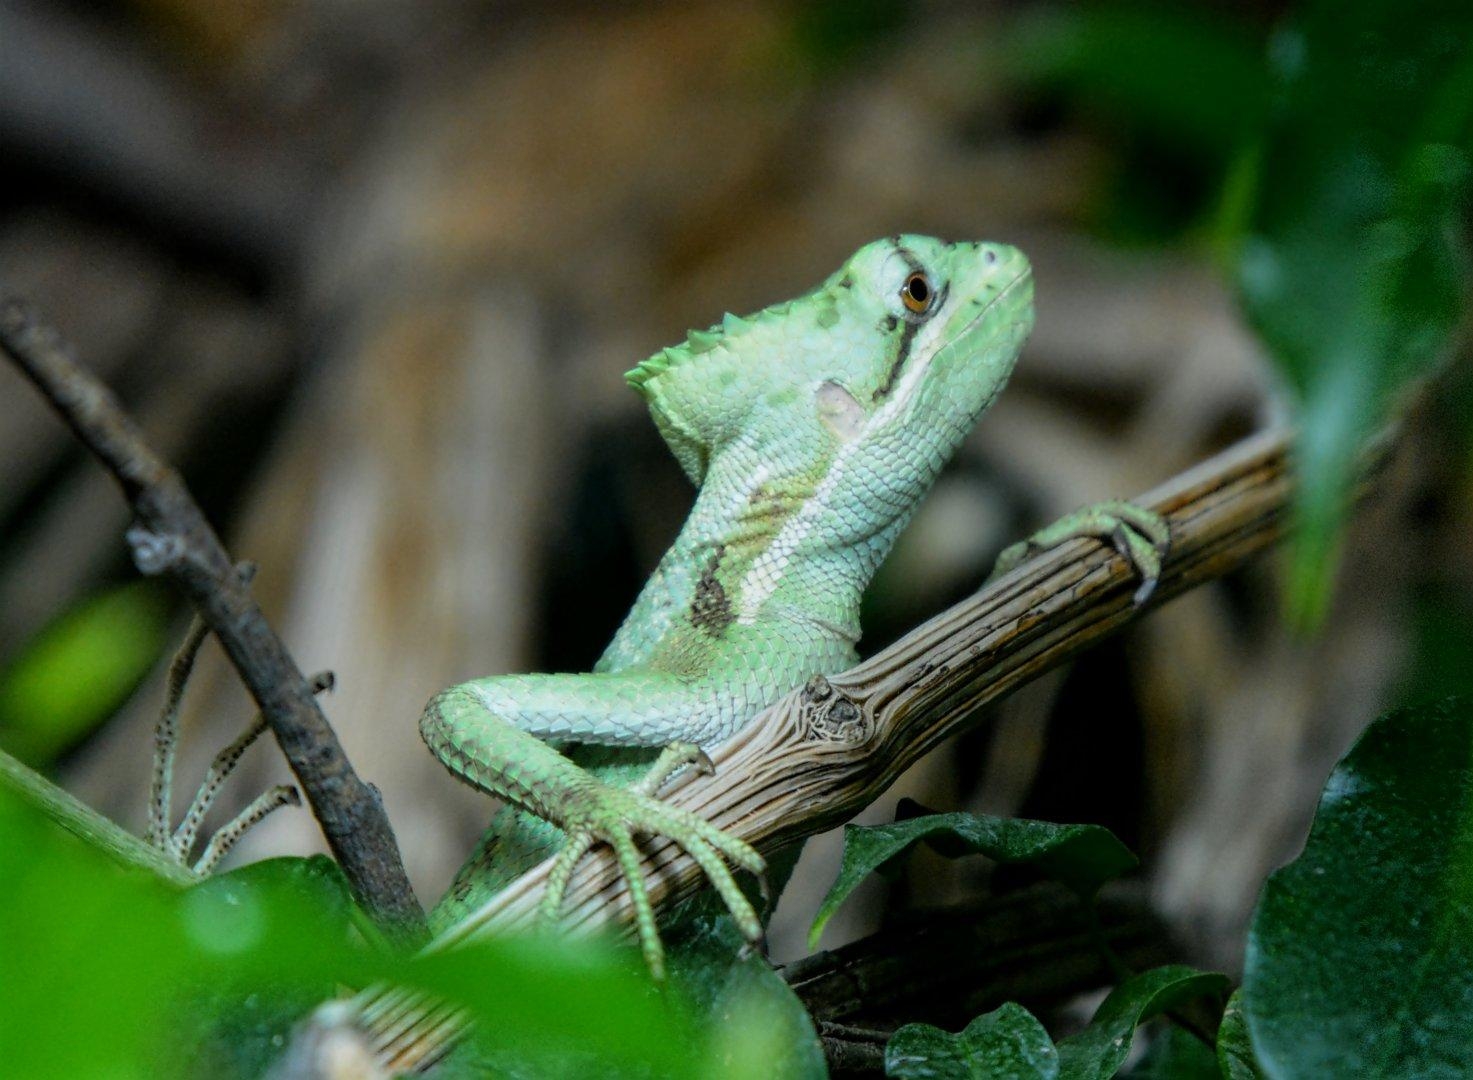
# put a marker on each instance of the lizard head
(892, 358)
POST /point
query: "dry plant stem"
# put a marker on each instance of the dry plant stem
(228, 835)
(172, 537)
(825, 751)
(99, 833)
(166, 735)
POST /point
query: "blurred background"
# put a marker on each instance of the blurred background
(370, 274)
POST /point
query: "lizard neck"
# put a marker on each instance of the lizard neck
(762, 563)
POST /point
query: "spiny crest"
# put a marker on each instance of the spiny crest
(698, 342)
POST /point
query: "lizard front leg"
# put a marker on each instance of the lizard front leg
(1142, 536)
(489, 732)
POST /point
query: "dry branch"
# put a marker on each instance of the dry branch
(172, 537)
(824, 752)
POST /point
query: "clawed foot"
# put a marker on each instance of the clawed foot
(1142, 536)
(615, 815)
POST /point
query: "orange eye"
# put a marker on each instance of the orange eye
(917, 294)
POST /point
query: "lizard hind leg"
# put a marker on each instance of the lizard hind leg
(490, 732)
(672, 759)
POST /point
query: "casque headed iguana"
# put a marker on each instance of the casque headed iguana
(812, 429)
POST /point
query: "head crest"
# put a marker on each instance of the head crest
(696, 343)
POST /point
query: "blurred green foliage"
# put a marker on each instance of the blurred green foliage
(1339, 157)
(110, 972)
(1442, 628)
(79, 670)
(1354, 262)
(829, 35)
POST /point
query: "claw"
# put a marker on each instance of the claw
(615, 815)
(1141, 536)
(675, 757)
(1120, 541)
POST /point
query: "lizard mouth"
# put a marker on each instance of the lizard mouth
(1025, 276)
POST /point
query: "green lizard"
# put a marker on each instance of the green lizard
(812, 430)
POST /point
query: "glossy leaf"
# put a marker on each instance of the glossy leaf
(759, 1028)
(1360, 956)
(1083, 857)
(1005, 1044)
(1097, 1052)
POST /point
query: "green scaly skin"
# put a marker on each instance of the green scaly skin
(812, 430)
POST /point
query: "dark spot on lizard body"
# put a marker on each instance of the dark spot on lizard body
(710, 607)
(768, 508)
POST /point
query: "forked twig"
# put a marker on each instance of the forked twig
(166, 735)
(177, 844)
(171, 537)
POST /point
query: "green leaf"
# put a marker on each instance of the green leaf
(78, 671)
(1235, 1057)
(1005, 1044)
(1360, 956)
(1097, 1052)
(1083, 857)
(1353, 268)
(757, 1026)
(1174, 1054)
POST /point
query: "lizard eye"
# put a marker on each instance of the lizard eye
(916, 294)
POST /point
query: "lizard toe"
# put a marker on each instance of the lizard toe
(650, 945)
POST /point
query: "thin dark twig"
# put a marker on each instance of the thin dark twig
(170, 536)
